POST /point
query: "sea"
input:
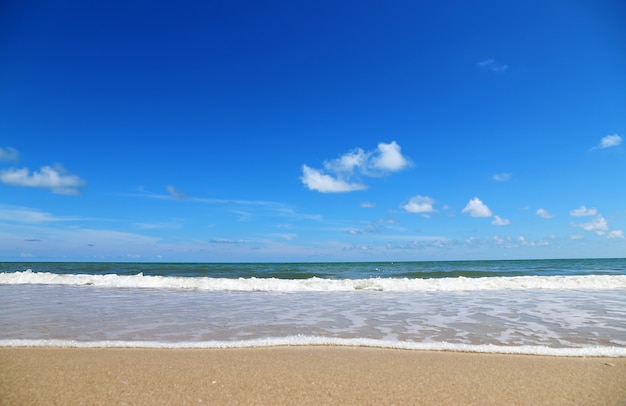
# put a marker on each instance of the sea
(557, 307)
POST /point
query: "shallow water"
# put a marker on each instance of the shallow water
(557, 315)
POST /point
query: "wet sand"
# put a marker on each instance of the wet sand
(313, 375)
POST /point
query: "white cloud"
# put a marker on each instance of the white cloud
(173, 224)
(498, 221)
(56, 179)
(347, 163)
(544, 214)
(368, 205)
(583, 211)
(608, 142)
(341, 174)
(493, 65)
(226, 241)
(576, 237)
(420, 204)
(27, 215)
(598, 225)
(615, 234)
(9, 154)
(175, 193)
(389, 158)
(315, 180)
(370, 228)
(476, 208)
(501, 177)
(538, 243)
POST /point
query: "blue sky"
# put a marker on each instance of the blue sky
(312, 131)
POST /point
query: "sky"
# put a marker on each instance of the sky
(282, 131)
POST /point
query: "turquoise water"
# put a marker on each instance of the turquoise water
(555, 307)
(337, 270)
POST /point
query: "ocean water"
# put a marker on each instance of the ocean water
(554, 307)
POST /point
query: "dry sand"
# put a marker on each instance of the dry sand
(315, 375)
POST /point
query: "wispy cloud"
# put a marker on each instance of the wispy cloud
(544, 214)
(476, 208)
(498, 221)
(615, 234)
(502, 177)
(344, 173)
(17, 214)
(374, 227)
(539, 243)
(175, 193)
(583, 211)
(9, 154)
(608, 142)
(493, 65)
(370, 228)
(368, 205)
(174, 224)
(56, 179)
(226, 241)
(521, 241)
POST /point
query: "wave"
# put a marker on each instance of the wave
(589, 351)
(314, 284)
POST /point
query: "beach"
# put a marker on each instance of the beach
(303, 375)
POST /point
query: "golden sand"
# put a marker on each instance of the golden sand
(315, 375)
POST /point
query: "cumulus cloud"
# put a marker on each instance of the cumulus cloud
(348, 162)
(608, 142)
(343, 174)
(498, 221)
(316, 180)
(389, 158)
(615, 234)
(493, 65)
(476, 208)
(583, 211)
(56, 179)
(501, 177)
(420, 204)
(544, 214)
(9, 154)
(598, 225)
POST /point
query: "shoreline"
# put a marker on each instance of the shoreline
(316, 341)
(303, 375)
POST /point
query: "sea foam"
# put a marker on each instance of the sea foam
(589, 351)
(315, 284)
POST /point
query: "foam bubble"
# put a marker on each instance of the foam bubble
(589, 351)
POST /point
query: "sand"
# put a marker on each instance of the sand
(315, 375)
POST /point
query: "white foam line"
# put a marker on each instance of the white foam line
(592, 351)
(319, 284)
